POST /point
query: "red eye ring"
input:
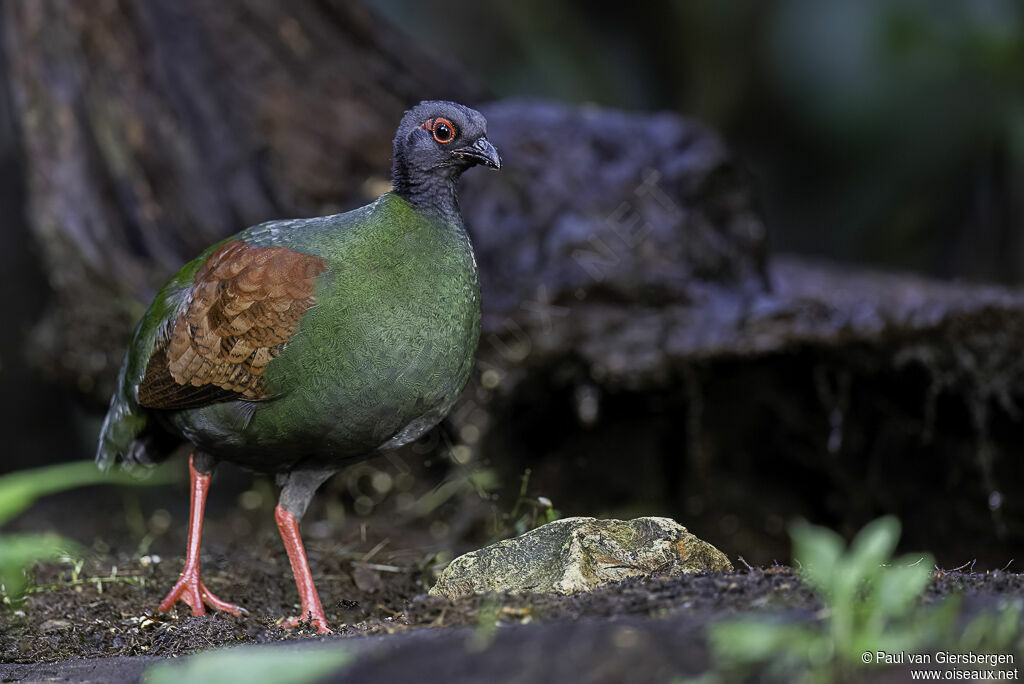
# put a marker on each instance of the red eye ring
(441, 128)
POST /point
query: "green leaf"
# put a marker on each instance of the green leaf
(818, 550)
(20, 551)
(899, 587)
(873, 546)
(20, 489)
(753, 640)
(993, 630)
(785, 648)
(1007, 627)
(252, 665)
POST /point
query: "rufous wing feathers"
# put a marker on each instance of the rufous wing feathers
(245, 305)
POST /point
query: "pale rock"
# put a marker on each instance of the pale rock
(578, 554)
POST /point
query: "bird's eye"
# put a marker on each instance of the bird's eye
(443, 130)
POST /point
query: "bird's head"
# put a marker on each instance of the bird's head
(443, 138)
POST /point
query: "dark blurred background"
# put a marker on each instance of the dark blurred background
(884, 133)
(881, 132)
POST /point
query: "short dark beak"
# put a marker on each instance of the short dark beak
(480, 152)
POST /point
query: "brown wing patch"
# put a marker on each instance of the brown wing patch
(245, 305)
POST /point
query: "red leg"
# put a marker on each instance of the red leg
(311, 607)
(190, 588)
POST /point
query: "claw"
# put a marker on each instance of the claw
(191, 591)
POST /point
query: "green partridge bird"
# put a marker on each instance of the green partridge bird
(298, 346)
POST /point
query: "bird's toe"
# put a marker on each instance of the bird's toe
(191, 591)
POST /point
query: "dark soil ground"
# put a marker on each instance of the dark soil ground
(105, 614)
(373, 573)
(373, 578)
(79, 621)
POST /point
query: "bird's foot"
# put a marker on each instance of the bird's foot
(191, 591)
(311, 619)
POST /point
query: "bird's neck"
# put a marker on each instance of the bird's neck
(431, 192)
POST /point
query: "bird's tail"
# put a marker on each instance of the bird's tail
(120, 437)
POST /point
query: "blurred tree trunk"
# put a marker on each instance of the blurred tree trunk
(154, 128)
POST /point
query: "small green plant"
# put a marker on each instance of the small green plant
(18, 491)
(486, 630)
(872, 603)
(18, 552)
(78, 579)
(531, 512)
(476, 481)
